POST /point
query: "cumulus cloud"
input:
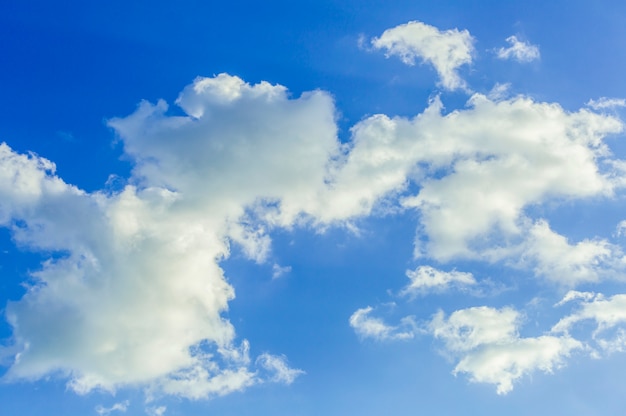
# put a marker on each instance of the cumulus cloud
(555, 259)
(607, 313)
(134, 294)
(427, 279)
(487, 346)
(492, 160)
(367, 326)
(445, 50)
(518, 50)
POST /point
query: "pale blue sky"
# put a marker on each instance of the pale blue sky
(316, 207)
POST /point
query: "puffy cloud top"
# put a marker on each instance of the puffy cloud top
(445, 50)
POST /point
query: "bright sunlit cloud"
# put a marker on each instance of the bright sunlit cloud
(445, 50)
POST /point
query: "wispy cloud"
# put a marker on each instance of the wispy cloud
(367, 326)
(519, 51)
(605, 102)
(427, 279)
(279, 271)
(117, 407)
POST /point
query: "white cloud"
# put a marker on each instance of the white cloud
(427, 279)
(606, 312)
(487, 345)
(574, 295)
(278, 271)
(491, 160)
(604, 103)
(367, 326)
(277, 366)
(156, 411)
(446, 50)
(135, 295)
(119, 407)
(519, 50)
(620, 230)
(499, 92)
(569, 265)
(494, 159)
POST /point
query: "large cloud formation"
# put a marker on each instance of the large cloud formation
(133, 294)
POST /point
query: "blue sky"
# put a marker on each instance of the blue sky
(316, 207)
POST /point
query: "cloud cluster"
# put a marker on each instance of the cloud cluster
(477, 171)
(488, 346)
(133, 294)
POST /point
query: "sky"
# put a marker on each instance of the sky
(314, 207)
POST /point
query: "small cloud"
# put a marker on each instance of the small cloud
(445, 50)
(278, 271)
(156, 411)
(603, 103)
(499, 92)
(576, 295)
(427, 279)
(367, 326)
(519, 51)
(277, 365)
(117, 407)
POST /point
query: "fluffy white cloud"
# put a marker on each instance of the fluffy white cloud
(487, 345)
(446, 50)
(608, 314)
(134, 294)
(427, 279)
(367, 326)
(479, 168)
(605, 312)
(554, 258)
(519, 50)
(242, 146)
